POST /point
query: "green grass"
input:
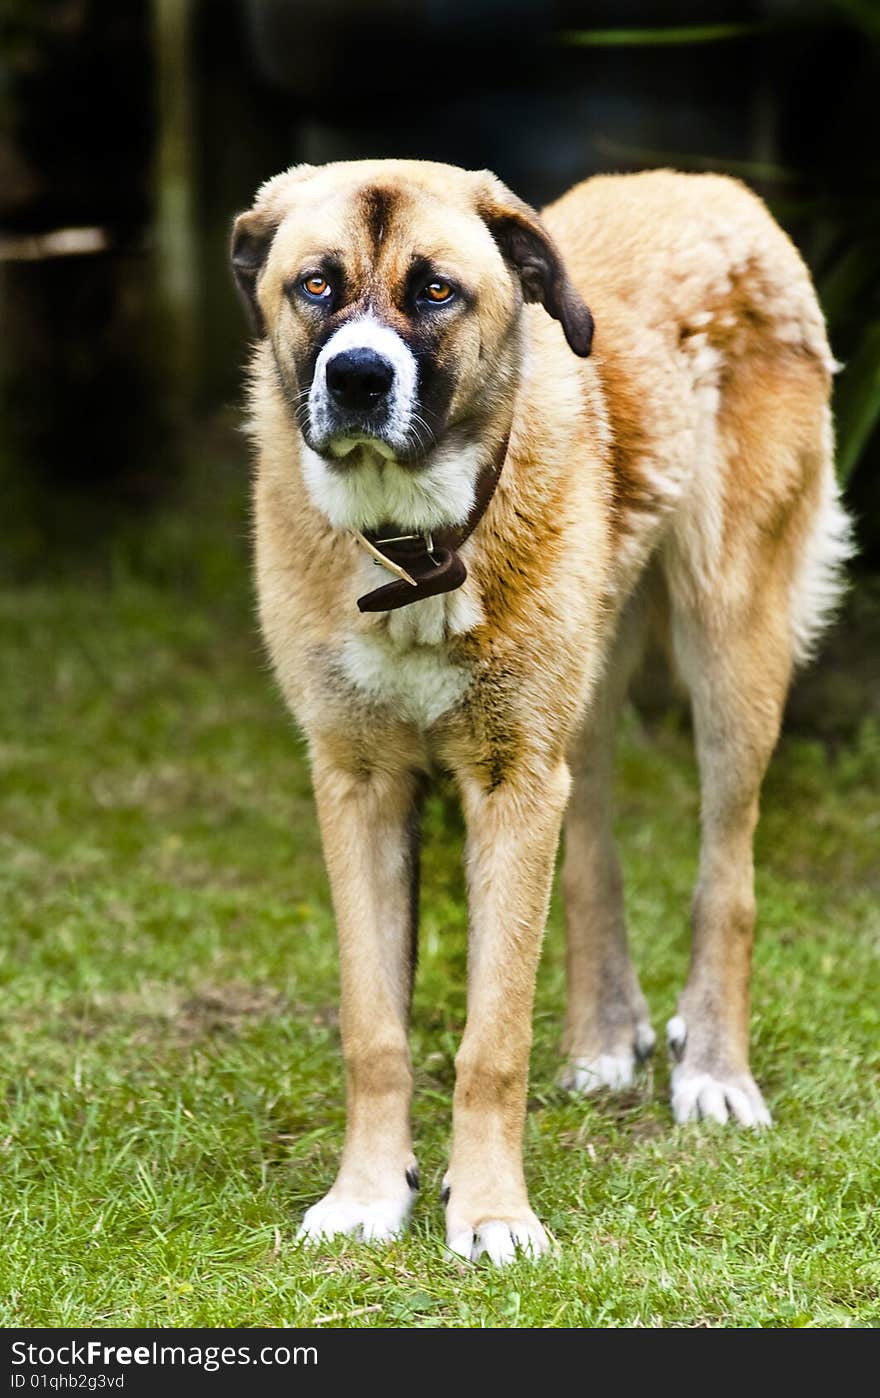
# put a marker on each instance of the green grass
(170, 1057)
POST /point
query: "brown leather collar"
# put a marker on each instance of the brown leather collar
(430, 560)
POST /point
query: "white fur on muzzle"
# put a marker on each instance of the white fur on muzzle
(361, 484)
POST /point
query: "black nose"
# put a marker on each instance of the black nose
(359, 379)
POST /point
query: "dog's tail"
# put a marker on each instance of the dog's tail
(820, 583)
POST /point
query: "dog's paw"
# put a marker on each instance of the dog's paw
(373, 1221)
(699, 1095)
(502, 1240)
(615, 1070)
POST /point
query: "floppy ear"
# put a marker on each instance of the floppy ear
(252, 235)
(528, 247)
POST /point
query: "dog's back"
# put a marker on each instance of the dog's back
(714, 359)
(688, 255)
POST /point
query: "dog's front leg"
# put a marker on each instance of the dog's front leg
(512, 837)
(369, 826)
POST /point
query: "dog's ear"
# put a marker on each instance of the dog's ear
(529, 248)
(252, 235)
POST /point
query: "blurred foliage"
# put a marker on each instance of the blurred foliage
(136, 352)
(858, 401)
(653, 37)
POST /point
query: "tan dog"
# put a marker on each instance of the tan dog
(681, 476)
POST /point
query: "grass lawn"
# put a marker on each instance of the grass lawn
(170, 1058)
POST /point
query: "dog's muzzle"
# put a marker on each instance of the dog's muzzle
(364, 390)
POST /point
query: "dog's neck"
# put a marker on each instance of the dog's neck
(427, 562)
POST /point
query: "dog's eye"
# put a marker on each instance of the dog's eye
(436, 293)
(316, 287)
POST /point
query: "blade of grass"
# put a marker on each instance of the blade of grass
(639, 38)
(857, 401)
(850, 277)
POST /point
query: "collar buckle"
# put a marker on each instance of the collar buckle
(425, 535)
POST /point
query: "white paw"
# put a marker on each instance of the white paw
(609, 1070)
(336, 1215)
(702, 1096)
(502, 1240)
(612, 1070)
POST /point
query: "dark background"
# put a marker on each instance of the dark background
(130, 134)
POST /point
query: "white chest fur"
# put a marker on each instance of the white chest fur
(404, 658)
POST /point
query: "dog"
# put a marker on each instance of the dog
(474, 499)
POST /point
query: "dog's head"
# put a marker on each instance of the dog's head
(391, 294)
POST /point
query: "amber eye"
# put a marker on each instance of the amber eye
(437, 293)
(316, 287)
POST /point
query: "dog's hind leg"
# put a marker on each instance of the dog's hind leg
(738, 681)
(608, 1029)
(747, 596)
(369, 827)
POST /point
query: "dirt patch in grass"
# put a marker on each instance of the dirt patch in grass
(160, 1014)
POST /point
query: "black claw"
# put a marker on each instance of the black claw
(444, 1195)
(412, 1177)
